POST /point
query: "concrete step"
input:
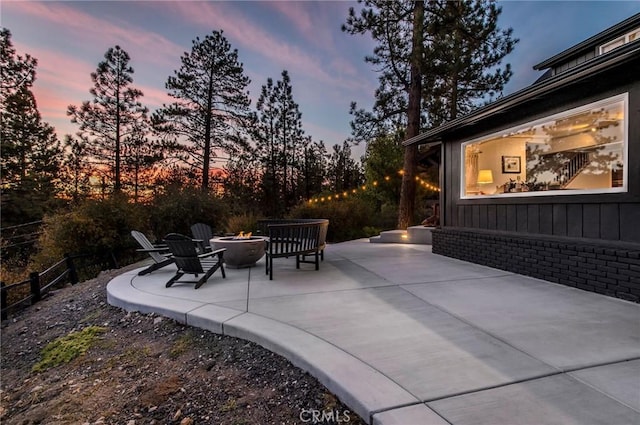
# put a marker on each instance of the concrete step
(413, 235)
(391, 236)
(420, 234)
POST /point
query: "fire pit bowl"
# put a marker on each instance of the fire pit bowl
(240, 253)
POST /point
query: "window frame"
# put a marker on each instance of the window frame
(623, 97)
(626, 38)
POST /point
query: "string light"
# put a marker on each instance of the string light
(338, 196)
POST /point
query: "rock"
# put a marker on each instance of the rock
(177, 415)
(186, 421)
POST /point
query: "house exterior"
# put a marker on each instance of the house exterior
(545, 182)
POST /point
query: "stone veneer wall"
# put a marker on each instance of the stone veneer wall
(607, 268)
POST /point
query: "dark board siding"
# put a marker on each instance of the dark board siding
(501, 217)
(546, 219)
(560, 220)
(591, 221)
(491, 217)
(630, 222)
(533, 218)
(574, 220)
(522, 220)
(511, 218)
(607, 216)
(609, 222)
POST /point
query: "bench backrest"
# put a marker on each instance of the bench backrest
(263, 224)
(296, 237)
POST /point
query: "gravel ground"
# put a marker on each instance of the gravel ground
(145, 369)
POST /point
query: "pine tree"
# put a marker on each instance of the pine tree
(16, 71)
(280, 144)
(382, 160)
(114, 113)
(314, 169)
(242, 184)
(268, 149)
(141, 156)
(30, 150)
(436, 60)
(75, 169)
(211, 107)
(343, 173)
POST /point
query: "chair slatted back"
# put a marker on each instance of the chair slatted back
(293, 238)
(146, 244)
(184, 252)
(202, 231)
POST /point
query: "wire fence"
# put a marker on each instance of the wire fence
(17, 296)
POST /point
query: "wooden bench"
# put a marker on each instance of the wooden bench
(295, 237)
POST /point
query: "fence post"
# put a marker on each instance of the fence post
(4, 301)
(73, 274)
(114, 261)
(34, 279)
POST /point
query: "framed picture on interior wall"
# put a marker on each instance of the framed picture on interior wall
(511, 164)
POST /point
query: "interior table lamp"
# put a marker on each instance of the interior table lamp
(485, 177)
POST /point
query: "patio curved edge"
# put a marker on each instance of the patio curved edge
(362, 388)
(365, 390)
(121, 293)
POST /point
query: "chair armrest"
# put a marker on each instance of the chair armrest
(157, 249)
(209, 254)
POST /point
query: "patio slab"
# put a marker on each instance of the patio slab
(416, 414)
(562, 326)
(619, 381)
(404, 336)
(556, 400)
(430, 353)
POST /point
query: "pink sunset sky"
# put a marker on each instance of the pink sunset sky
(326, 66)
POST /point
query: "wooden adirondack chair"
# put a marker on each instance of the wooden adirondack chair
(189, 261)
(160, 254)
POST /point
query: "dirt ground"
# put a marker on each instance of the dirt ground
(146, 369)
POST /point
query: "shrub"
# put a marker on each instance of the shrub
(347, 218)
(175, 210)
(96, 228)
(247, 222)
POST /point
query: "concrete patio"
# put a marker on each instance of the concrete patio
(404, 336)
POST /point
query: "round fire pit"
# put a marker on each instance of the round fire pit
(240, 253)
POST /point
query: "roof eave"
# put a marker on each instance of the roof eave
(592, 42)
(583, 71)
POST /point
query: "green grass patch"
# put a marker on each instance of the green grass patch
(181, 345)
(230, 405)
(68, 347)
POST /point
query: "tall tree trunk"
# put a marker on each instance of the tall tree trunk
(408, 189)
(117, 187)
(207, 135)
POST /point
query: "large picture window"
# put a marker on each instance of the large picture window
(578, 151)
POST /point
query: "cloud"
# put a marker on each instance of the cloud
(298, 15)
(252, 36)
(89, 30)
